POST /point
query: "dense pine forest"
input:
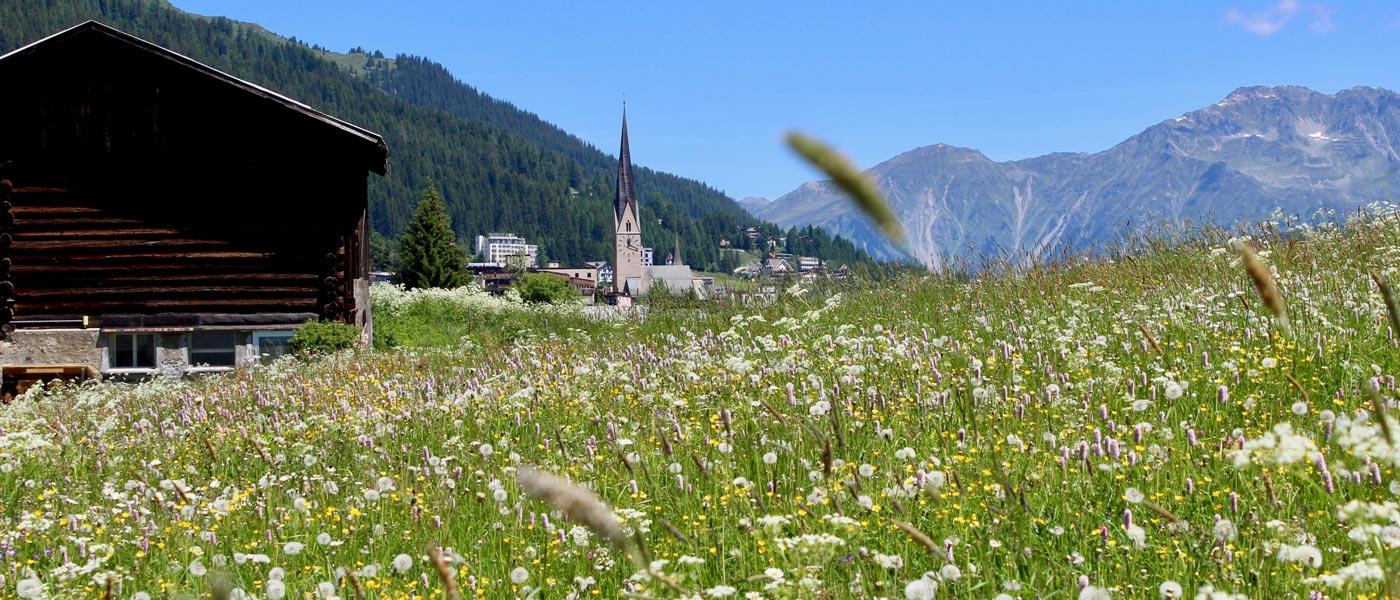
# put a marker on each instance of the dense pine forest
(498, 168)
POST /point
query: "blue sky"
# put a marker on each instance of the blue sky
(711, 86)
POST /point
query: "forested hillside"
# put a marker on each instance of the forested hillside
(499, 168)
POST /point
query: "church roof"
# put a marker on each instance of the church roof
(626, 191)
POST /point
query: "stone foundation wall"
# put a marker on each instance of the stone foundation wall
(50, 347)
(53, 347)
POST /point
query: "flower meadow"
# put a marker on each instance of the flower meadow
(1198, 421)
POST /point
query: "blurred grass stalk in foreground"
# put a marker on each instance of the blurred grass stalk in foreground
(851, 181)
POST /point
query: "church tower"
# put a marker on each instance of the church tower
(627, 225)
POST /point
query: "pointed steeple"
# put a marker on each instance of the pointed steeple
(676, 251)
(626, 191)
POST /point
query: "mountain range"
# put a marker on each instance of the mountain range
(1258, 150)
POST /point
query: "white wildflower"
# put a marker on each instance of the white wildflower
(1170, 590)
(1094, 593)
(922, 588)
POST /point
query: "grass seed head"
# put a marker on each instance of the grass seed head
(575, 501)
(851, 181)
(1264, 282)
(1388, 296)
(918, 536)
(449, 581)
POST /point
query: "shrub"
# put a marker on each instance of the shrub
(319, 337)
(539, 288)
(444, 318)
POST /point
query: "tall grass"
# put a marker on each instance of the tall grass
(1135, 427)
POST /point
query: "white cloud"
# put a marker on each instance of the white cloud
(1266, 22)
(1277, 16)
(1322, 19)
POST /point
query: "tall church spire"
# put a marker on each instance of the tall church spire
(676, 251)
(628, 274)
(626, 191)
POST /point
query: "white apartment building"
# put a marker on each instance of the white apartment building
(605, 270)
(647, 256)
(503, 249)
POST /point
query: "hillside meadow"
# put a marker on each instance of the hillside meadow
(1144, 427)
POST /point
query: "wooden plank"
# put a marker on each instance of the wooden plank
(32, 258)
(141, 290)
(151, 306)
(24, 246)
(31, 209)
(26, 235)
(222, 268)
(104, 275)
(81, 218)
(39, 189)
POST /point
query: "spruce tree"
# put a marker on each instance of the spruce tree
(429, 255)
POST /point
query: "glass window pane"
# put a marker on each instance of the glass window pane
(122, 357)
(133, 351)
(214, 349)
(273, 344)
(145, 351)
(213, 341)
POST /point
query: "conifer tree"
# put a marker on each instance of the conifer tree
(429, 255)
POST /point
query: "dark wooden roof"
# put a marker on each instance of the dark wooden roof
(372, 143)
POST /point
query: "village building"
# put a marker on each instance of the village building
(507, 250)
(587, 288)
(162, 217)
(778, 266)
(583, 277)
(605, 272)
(583, 271)
(498, 279)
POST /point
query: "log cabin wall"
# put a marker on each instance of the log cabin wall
(144, 187)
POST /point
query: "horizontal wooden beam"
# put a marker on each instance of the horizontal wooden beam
(27, 235)
(105, 276)
(29, 294)
(21, 257)
(23, 246)
(238, 305)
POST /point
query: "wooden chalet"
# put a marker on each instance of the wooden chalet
(159, 215)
